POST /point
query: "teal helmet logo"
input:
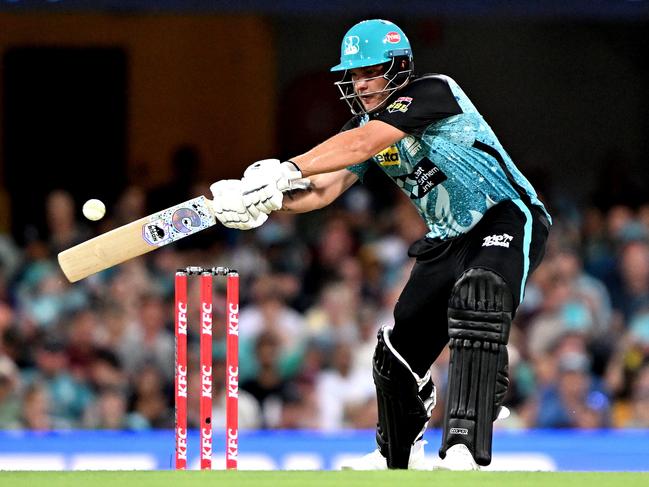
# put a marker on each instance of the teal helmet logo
(370, 43)
(351, 45)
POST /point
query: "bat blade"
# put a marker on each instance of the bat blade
(136, 238)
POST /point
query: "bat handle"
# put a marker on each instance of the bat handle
(303, 183)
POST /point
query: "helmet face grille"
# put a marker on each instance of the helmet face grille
(397, 72)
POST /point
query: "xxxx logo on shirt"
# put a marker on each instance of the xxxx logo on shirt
(401, 104)
(388, 157)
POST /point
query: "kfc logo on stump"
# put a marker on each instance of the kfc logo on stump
(206, 444)
(181, 443)
(233, 381)
(182, 318)
(233, 444)
(206, 381)
(181, 374)
(233, 319)
(206, 319)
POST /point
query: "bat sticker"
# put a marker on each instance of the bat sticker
(177, 222)
(155, 233)
(185, 220)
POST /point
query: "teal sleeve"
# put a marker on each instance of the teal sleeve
(359, 169)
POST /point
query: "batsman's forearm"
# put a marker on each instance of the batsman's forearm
(348, 148)
(338, 152)
(324, 189)
(301, 201)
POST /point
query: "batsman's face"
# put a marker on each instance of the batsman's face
(369, 84)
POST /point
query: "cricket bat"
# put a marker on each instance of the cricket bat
(142, 236)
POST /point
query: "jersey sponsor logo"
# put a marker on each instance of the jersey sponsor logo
(411, 145)
(497, 240)
(423, 178)
(392, 37)
(401, 104)
(352, 45)
(388, 157)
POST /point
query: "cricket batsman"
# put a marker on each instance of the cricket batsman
(487, 231)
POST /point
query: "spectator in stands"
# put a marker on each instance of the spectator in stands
(148, 402)
(150, 341)
(638, 416)
(574, 400)
(299, 405)
(10, 260)
(83, 338)
(108, 411)
(37, 408)
(269, 312)
(69, 397)
(9, 394)
(335, 242)
(631, 355)
(106, 371)
(630, 289)
(268, 385)
(345, 395)
(62, 224)
(44, 295)
(334, 317)
(598, 249)
(7, 319)
(589, 291)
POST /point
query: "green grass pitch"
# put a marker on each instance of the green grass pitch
(324, 478)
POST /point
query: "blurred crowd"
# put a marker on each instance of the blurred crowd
(315, 288)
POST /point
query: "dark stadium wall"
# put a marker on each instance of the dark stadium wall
(204, 80)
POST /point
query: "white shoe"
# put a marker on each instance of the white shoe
(503, 413)
(458, 457)
(376, 461)
(371, 461)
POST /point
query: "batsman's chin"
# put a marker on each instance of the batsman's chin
(370, 102)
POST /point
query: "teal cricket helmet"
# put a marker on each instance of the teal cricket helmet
(370, 43)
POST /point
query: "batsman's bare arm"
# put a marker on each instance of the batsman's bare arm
(324, 189)
(348, 148)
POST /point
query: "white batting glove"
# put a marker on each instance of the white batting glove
(265, 181)
(229, 206)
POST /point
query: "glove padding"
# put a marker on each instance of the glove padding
(229, 206)
(264, 183)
